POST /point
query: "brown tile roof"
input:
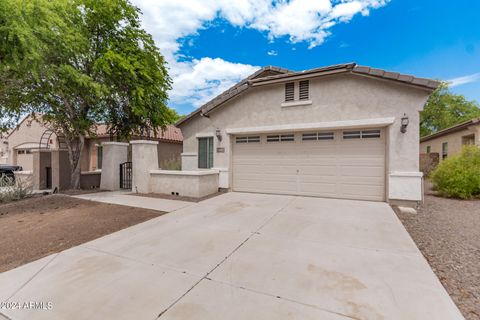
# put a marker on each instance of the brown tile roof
(265, 74)
(455, 128)
(171, 133)
(405, 78)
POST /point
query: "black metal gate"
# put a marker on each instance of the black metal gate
(126, 175)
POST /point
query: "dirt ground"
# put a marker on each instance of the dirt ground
(33, 228)
(447, 231)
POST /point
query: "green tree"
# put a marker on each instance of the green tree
(80, 62)
(445, 109)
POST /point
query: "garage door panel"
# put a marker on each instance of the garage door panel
(340, 168)
(376, 181)
(320, 170)
(372, 171)
(353, 190)
(361, 162)
(312, 189)
(267, 187)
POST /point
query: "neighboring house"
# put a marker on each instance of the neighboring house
(25, 138)
(450, 141)
(342, 131)
(37, 149)
(3, 148)
(169, 147)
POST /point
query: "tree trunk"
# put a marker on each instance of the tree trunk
(75, 151)
(75, 176)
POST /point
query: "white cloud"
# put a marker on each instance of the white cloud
(206, 78)
(464, 80)
(300, 20)
(272, 53)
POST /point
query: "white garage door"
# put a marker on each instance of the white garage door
(25, 159)
(346, 164)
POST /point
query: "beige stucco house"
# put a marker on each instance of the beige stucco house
(32, 145)
(343, 131)
(450, 141)
(26, 138)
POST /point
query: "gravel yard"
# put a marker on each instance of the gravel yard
(447, 231)
(33, 228)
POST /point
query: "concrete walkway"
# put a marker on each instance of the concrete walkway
(125, 198)
(240, 256)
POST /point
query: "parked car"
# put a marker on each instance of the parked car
(9, 170)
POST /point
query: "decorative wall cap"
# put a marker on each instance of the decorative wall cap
(297, 103)
(184, 173)
(115, 143)
(143, 142)
(406, 174)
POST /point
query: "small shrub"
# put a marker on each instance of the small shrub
(459, 176)
(12, 190)
(172, 164)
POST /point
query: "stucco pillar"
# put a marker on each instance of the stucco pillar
(144, 159)
(189, 161)
(114, 154)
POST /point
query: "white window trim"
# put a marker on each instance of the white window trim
(296, 103)
(330, 125)
(204, 135)
(248, 139)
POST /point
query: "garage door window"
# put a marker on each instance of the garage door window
(371, 134)
(352, 134)
(247, 139)
(364, 134)
(318, 136)
(281, 138)
(205, 153)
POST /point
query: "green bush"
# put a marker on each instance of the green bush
(459, 176)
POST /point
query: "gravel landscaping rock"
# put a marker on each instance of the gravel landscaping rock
(447, 231)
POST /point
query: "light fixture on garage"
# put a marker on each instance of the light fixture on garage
(405, 121)
(218, 134)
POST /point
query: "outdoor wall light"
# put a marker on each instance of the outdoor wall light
(403, 128)
(218, 134)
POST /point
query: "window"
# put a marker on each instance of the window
(429, 149)
(99, 157)
(289, 91)
(351, 134)
(468, 140)
(444, 150)
(318, 136)
(248, 139)
(282, 137)
(304, 90)
(371, 134)
(205, 153)
(364, 134)
(20, 151)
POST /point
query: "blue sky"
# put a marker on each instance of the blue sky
(210, 45)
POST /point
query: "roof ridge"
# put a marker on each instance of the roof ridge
(453, 128)
(350, 67)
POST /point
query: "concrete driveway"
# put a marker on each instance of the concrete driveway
(240, 256)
